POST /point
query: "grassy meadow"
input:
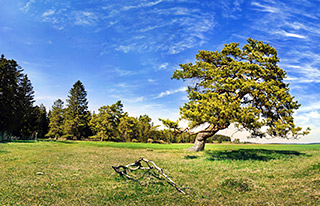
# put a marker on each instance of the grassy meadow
(80, 173)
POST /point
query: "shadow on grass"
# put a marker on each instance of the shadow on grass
(19, 141)
(4, 152)
(251, 154)
(66, 142)
(190, 157)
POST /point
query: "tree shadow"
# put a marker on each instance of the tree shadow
(66, 142)
(252, 154)
(190, 157)
(18, 141)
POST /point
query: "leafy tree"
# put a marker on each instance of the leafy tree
(237, 86)
(144, 127)
(56, 119)
(127, 128)
(16, 99)
(221, 138)
(174, 129)
(77, 116)
(173, 125)
(105, 123)
(41, 121)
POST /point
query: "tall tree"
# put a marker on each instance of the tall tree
(77, 115)
(40, 121)
(243, 87)
(56, 119)
(16, 99)
(27, 113)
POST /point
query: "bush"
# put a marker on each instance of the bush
(66, 137)
(236, 141)
(134, 140)
(159, 142)
(150, 140)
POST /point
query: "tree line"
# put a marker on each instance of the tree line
(20, 119)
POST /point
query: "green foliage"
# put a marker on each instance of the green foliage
(56, 119)
(105, 123)
(236, 141)
(237, 86)
(144, 128)
(173, 125)
(41, 121)
(77, 116)
(18, 116)
(219, 138)
(127, 128)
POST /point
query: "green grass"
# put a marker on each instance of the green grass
(80, 173)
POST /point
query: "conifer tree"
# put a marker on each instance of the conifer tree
(16, 100)
(56, 119)
(77, 115)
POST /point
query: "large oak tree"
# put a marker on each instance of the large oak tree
(243, 87)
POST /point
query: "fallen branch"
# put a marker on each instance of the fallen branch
(122, 170)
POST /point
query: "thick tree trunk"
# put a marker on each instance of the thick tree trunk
(201, 140)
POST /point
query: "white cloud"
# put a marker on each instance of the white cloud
(27, 6)
(314, 115)
(308, 73)
(149, 4)
(135, 100)
(85, 18)
(311, 107)
(287, 34)
(265, 8)
(163, 66)
(170, 92)
(48, 13)
(123, 73)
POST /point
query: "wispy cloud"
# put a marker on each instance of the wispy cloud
(134, 100)
(48, 13)
(148, 4)
(163, 66)
(177, 26)
(151, 80)
(288, 34)
(27, 5)
(123, 73)
(85, 18)
(170, 92)
(310, 107)
(265, 8)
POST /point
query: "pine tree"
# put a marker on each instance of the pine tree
(16, 99)
(77, 116)
(27, 116)
(244, 87)
(56, 119)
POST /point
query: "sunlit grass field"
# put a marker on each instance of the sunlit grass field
(80, 173)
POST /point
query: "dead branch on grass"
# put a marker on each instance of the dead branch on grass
(122, 170)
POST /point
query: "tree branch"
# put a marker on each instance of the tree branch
(122, 170)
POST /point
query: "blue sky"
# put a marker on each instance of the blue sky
(128, 50)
